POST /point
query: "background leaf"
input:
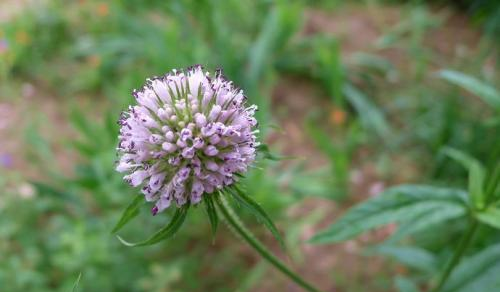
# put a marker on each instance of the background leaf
(486, 92)
(477, 273)
(410, 256)
(477, 175)
(371, 117)
(397, 204)
(77, 282)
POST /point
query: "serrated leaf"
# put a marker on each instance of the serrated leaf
(486, 92)
(490, 216)
(413, 257)
(395, 205)
(212, 214)
(129, 213)
(476, 273)
(257, 211)
(166, 232)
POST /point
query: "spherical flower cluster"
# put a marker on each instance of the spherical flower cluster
(189, 135)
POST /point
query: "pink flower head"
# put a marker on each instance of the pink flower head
(187, 136)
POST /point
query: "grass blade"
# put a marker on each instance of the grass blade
(77, 282)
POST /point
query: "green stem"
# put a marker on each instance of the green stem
(246, 234)
(462, 246)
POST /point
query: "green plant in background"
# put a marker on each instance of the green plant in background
(418, 208)
(422, 211)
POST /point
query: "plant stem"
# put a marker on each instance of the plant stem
(246, 234)
(462, 246)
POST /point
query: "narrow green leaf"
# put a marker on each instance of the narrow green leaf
(459, 156)
(212, 213)
(398, 204)
(477, 174)
(330, 69)
(371, 117)
(476, 273)
(77, 282)
(130, 212)
(432, 217)
(413, 257)
(490, 216)
(166, 232)
(80, 123)
(372, 61)
(486, 92)
(279, 26)
(257, 210)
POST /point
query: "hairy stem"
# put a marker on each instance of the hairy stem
(235, 222)
(459, 252)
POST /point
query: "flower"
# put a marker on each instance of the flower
(189, 135)
(4, 46)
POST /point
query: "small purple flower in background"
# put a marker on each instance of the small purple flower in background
(4, 46)
(189, 135)
(6, 160)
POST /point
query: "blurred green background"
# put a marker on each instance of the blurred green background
(363, 95)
